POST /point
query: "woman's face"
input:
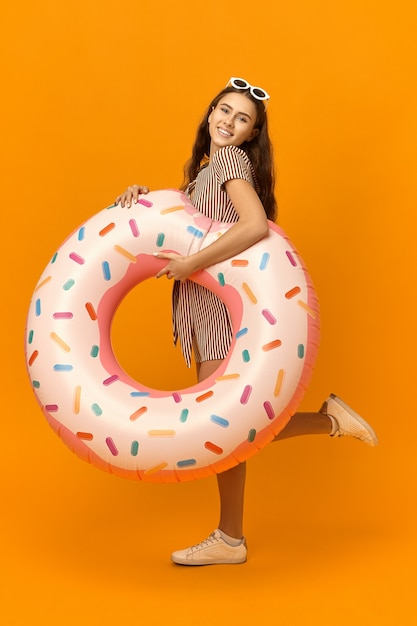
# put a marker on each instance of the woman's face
(232, 121)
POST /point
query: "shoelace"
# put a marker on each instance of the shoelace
(206, 542)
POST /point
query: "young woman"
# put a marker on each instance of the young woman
(230, 178)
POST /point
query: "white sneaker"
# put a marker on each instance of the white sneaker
(347, 422)
(212, 551)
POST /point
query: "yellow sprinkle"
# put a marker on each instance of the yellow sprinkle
(161, 433)
(46, 280)
(249, 293)
(77, 399)
(125, 253)
(227, 377)
(307, 308)
(156, 468)
(60, 342)
(278, 384)
(172, 209)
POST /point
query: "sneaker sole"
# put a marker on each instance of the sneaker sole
(201, 563)
(358, 418)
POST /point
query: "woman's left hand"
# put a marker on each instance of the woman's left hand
(179, 267)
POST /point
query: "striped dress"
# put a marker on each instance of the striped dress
(200, 319)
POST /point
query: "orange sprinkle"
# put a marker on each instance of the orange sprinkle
(249, 293)
(172, 209)
(91, 311)
(227, 377)
(86, 436)
(33, 356)
(204, 396)
(138, 413)
(77, 399)
(271, 345)
(307, 308)
(43, 283)
(156, 468)
(126, 253)
(292, 292)
(107, 229)
(240, 263)
(161, 433)
(60, 342)
(213, 448)
(278, 384)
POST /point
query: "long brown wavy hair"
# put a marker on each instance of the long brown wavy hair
(259, 151)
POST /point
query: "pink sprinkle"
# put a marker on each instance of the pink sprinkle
(65, 315)
(77, 258)
(246, 394)
(145, 202)
(269, 317)
(52, 408)
(291, 258)
(177, 397)
(110, 380)
(269, 410)
(134, 228)
(111, 446)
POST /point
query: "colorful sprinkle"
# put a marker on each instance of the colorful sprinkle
(184, 415)
(195, 232)
(269, 317)
(300, 351)
(54, 258)
(239, 263)
(77, 399)
(146, 203)
(139, 394)
(305, 306)
(111, 446)
(85, 436)
(171, 210)
(160, 239)
(81, 233)
(106, 229)
(204, 396)
(77, 258)
(62, 367)
(269, 410)
(251, 435)
(36, 384)
(291, 258)
(227, 377)
(292, 292)
(94, 351)
(209, 445)
(134, 228)
(156, 468)
(110, 380)
(271, 345)
(264, 260)
(91, 311)
(43, 283)
(249, 293)
(241, 332)
(67, 286)
(186, 463)
(30, 336)
(106, 270)
(65, 315)
(220, 278)
(51, 408)
(134, 448)
(220, 421)
(61, 343)
(138, 413)
(246, 356)
(278, 383)
(33, 356)
(161, 433)
(38, 307)
(97, 410)
(126, 254)
(246, 394)
(177, 397)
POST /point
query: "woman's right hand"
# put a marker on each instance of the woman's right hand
(131, 195)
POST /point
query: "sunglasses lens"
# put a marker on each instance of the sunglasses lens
(259, 93)
(240, 84)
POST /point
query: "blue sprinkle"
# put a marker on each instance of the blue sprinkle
(30, 338)
(186, 463)
(246, 356)
(106, 270)
(241, 332)
(70, 283)
(81, 233)
(264, 260)
(195, 232)
(221, 280)
(160, 240)
(134, 448)
(184, 415)
(300, 351)
(97, 410)
(251, 435)
(37, 307)
(60, 367)
(36, 384)
(139, 394)
(54, 257)
(219, 420)
(94, 351)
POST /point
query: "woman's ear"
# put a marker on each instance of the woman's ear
(209, 117)
(254, 134)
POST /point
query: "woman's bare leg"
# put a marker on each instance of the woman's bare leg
(306, 424)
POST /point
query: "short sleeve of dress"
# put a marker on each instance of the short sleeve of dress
(231, 162)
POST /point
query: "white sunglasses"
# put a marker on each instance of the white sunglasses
(255, 92)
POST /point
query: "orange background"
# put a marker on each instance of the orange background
(97, 95)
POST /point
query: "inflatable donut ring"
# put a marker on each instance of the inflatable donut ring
(121, 426)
